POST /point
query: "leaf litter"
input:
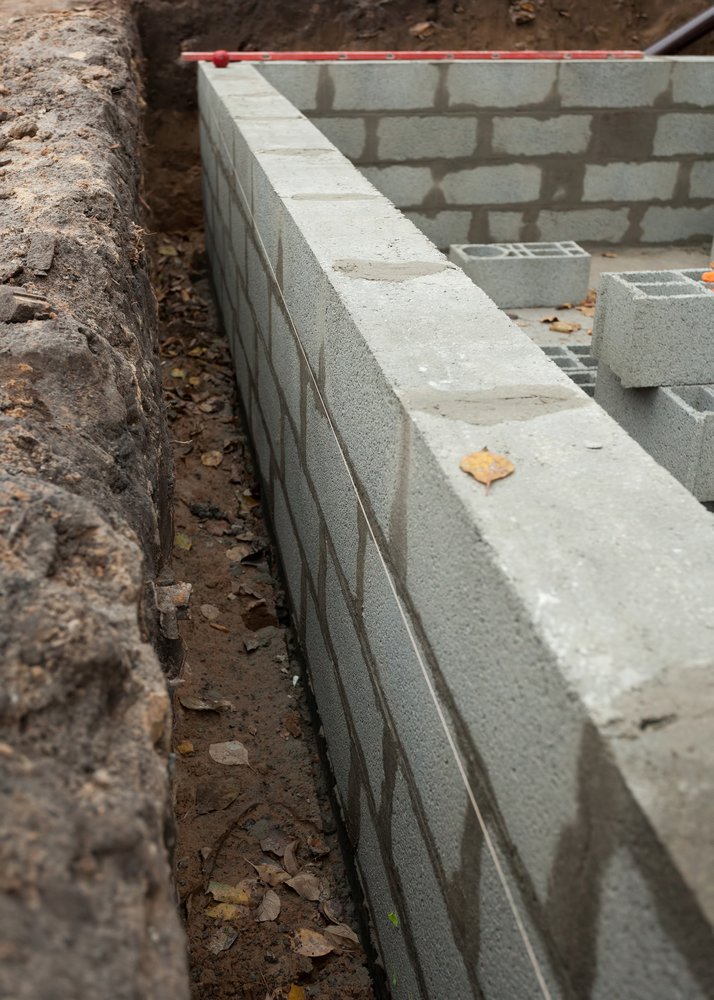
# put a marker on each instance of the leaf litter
(486, 467)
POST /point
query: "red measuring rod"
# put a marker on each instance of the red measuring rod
(221, 58)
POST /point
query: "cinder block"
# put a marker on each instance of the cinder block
(419, 137)
(626, 182)
(684, 133)
(286, 360)
(402, 185)
(511, 84)
(674, 424)
(616, 84)
(302, 504)
(663, 223)
(348, 134)
(505, 227)
(381, 86)
(600, 225)
(522, 136)
(296, 81)
(655, 328)
(443, 228)
(526, 274)
(289, 551)
(693, 80)
(515, 182)
(701, 181)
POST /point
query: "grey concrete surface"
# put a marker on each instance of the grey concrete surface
(655, 328)
(526, 274)
(564, 620)
(675, 425)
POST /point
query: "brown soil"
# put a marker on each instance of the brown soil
(239, 659)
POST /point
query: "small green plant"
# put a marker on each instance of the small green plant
(394, 918)
(394, 979)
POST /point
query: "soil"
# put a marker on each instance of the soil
(245, 685)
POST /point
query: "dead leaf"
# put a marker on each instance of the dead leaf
(219, 628)
(212, 458)
(195, 379)
(289, 860)
(296, 993)
(310, 943)
(292, 724)
(231, 752)
(276, 842)
(333, 910)
(239, 552)
(422, 30)
(269, 908)
(224, 893)
(196, 352)
(185, 747)
(226, 799)
(549, 319)
(210, 611)
(199, 705)
(342, 936)
(317, 847)
(178, 373)
(270, 873)
(222, 939)
(182, 542)
(587, 310)
(567, 305)
(227, 911)
(562, 327)
(608, 255)
(486, 467)
(167, 250)
(305, 885)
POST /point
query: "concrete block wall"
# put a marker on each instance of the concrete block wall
(489, 151)
(554, 636)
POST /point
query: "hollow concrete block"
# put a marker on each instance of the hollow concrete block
(674, 424)
(655, 328)
(526, 274)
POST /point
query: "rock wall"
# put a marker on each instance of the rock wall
(86, 904)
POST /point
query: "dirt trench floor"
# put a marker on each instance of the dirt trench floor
(260, 877)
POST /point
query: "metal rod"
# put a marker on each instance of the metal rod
(677, 40)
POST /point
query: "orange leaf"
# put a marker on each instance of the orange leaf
(708, 276)
(485, 467)
(220, 628)
(296, 993)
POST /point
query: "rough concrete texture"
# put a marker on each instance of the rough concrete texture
(655, 328)
(564, 619)
(675, 425)
(526, 274)
(86, 904)
(504, 151)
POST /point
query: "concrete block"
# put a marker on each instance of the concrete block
(514, 182)
(302, 504)
(679, 133)
(286, 361)
(526, 274)
(664, 224)
(693, 80)
(519, 135)
(383, 86)
(511, 84)
(402, 185)
(505, 227)
(348, 134)
(261, 441)
(674, 424)
(297, 81)
(239, 227)
(627, 182)
(289, 551)
(356, 681)
(701, 180)
(599, 225)
(420, 137)
(443, 228)
(616, 84)
(268, 399)
(655, 328)
(577, 363)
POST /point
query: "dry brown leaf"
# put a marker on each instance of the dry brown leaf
(224, 893)
(567, 305)
(289, 860)
(563, 327)
(185, 747)
(296, 993)
(486, 467)
(210, 611)
(305, 885)
(226, 799)
(231, 752)
(201, 705)
(310, 943)
(276, 842)
(219, 628)
(227, 911)
(270, 873)
(212, 458)
(422, 30)
(342, 936)
(239, 552)
(333, 910)
(587, 310)
(269, 908)
(549, 319)
(222, 939)
(608, 255)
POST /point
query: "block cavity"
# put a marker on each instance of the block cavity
(675, 425)
(526, 274)
(655, 328)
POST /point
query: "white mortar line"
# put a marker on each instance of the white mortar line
(462, 770)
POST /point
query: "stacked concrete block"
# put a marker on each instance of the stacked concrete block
(444, 629)
(526, 274)
(577, 363)
(655, 328)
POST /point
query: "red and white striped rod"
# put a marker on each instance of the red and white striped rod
(221, 58)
